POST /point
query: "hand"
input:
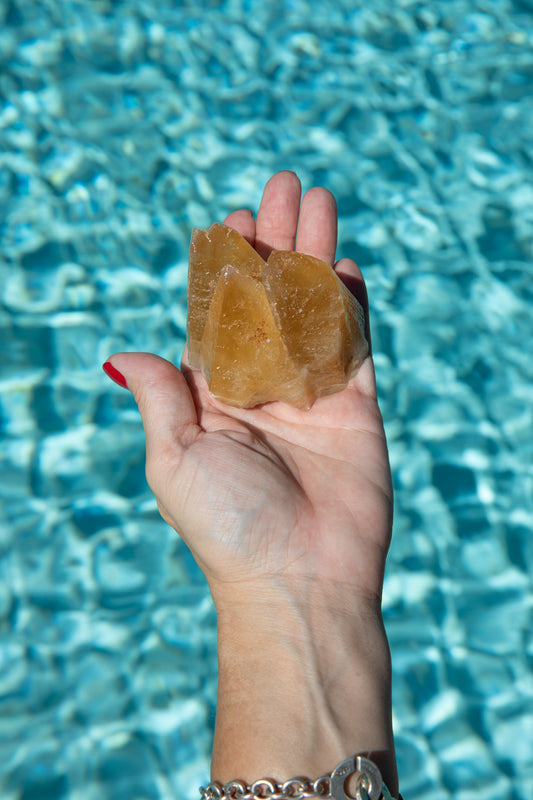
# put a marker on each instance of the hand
(288, 513)
(272, 494)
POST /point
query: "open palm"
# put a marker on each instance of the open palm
(272, 494)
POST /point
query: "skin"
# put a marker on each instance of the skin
(289, 514)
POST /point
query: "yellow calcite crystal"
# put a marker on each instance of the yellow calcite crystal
(282, 329)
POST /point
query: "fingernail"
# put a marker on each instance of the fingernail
(113, 373)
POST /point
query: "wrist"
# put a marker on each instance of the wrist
(301, 684)
(326, 636)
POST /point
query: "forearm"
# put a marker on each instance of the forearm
(301, 687)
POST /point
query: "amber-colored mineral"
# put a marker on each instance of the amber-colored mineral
(285, 329)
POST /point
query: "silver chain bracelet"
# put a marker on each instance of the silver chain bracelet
(368, 787)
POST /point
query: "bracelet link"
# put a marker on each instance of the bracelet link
(263, 788)
(295, 787)
(322, 786)
(235, 789)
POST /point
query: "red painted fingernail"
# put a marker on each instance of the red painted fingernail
(114, 374)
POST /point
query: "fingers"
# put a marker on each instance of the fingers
(277, 218)
(352, 277)
(280, 216)
(317, 228)
(312, 228)
(165, 404)
(243, 222)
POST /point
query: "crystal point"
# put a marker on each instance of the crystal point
(285, 329)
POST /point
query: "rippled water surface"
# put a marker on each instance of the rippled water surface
(122, 125)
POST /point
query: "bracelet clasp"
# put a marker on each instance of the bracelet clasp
(369, 782)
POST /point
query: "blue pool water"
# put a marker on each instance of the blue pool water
(122, 125)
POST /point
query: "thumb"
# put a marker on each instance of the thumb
(164, 400)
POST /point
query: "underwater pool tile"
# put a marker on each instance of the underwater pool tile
(420, 774)
(93, 520)
(417, 231)
(100, 691)
(467, 765)
(111, 634)
(454, 481)
(13, 669)
(519, 542)
(494, 622)
(511, 733)
(190, 627)
(127, 769)
(115, 577)
(484, 559)
(481, 675)
(195, 773)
